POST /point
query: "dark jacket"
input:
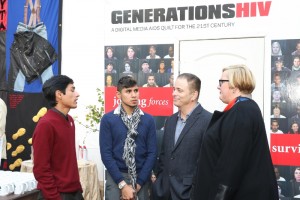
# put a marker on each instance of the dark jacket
(235, 161)
(178, 161)
(31, 54)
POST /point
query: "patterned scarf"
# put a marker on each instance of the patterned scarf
(129, 146)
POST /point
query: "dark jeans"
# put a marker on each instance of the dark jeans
(65, 196)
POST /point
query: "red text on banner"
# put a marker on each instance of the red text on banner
(285, 149)
(155, 101)
(3, 15)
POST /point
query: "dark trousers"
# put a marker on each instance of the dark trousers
(112, 191)
(65, 196)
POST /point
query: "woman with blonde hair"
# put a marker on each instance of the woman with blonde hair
(235, 162)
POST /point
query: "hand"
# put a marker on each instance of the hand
(138, 187)
(128, 193)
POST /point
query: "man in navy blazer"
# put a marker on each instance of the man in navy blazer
(182, 140)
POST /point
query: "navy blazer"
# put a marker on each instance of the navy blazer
(177, 162)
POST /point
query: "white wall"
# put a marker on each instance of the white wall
(82, 60)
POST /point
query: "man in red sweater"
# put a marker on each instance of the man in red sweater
(55, 163)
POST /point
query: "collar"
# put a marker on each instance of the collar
(117, 111)
(189, 114)
(234, 101)
(295, 68)
(57, 111)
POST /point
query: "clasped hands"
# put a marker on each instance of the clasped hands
(128, 193)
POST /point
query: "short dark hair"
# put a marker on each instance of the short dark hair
(59, 82)
(277, 74)
(126, 82)
(152, 46)
(109, 48)
(110, 63)
(296, 57)
(276, 106)
(193, 80)
(150, 74)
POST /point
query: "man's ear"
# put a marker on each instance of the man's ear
(118, 94)
(195, 95)
(58, 94)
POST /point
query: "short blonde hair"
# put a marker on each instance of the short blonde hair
(241, 77)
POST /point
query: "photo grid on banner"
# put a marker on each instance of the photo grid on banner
(285, 115)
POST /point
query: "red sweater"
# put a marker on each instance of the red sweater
(55, 163)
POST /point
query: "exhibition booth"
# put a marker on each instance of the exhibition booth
(187, 36)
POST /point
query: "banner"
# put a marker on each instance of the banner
(3, 15)
(3, 27)
(285, 114)
(285, 149)
(152, 66)
(29, 55)
(40, 19)
(154, 101)
(22, 117)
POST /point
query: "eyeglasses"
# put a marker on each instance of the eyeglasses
(221, 81)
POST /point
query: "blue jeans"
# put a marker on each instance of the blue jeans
(41, 30)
